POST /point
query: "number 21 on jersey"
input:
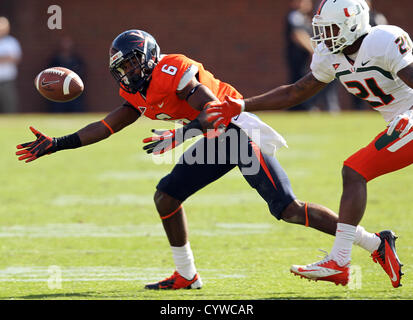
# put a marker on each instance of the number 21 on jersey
(372, 87)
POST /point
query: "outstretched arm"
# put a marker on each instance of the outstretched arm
(286, 96)
(115, 121)
(282, 97)
(92, 133)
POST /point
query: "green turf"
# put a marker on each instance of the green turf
(89, 212)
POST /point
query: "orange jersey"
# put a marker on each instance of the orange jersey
(162, 102)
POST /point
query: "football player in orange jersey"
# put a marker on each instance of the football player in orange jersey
(175, 88)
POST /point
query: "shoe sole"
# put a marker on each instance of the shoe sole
(195, 285)
(342, 282)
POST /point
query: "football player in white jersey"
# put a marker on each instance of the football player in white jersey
(375, 64)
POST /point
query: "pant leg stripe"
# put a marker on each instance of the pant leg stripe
(262, 162)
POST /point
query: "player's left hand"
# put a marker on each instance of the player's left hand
(35, 149)
(402, 123)
(162, 141)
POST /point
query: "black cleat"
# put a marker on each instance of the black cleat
(387, 257)
(176, 281)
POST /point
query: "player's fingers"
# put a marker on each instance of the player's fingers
(25, 145)
(18, 153)
(230, 99)
(31, 159)
(25, 156)
(35, 132)
(159, 131)
(150, 146)
(392, 125)
(214, 116)
(164, 146)
(158, 151)
(158, 138)
(213, 109)
(406, 129)
(401, 124)
(219, 122)
(150, 139)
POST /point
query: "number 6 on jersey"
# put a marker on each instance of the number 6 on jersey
(169, 69)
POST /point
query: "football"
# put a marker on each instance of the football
(59, 84)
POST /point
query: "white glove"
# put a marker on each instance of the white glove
(402, 123)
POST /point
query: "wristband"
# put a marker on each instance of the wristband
(195, 124)
(242, 102)
(71, 141)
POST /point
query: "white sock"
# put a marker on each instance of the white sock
(366, 240)
(345, 235)
(184, 261)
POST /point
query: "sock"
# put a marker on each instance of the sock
(366, 240)
(345, 235)
(184, 261)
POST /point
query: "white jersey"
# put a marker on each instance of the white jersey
(373, 76)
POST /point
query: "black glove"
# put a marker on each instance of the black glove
(165, 140)
(35, 149)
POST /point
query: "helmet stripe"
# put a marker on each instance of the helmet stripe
(347, 14)
(321, 6)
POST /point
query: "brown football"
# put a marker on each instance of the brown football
(59, 84)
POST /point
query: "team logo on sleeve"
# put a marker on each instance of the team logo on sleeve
(336, 65)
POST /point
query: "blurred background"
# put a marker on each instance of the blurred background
(253, 44)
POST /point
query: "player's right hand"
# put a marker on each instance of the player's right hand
(221, 113)
(162, 141)
(402, 123)
(35, 149)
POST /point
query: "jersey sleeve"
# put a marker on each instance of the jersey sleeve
(399, 52)
(172, 74)
(321, 68)
(189, 73)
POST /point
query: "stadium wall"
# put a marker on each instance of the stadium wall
(240, 41)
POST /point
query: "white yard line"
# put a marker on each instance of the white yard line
(150, 174)
(98, 273)
(87, 230)
(226, 199)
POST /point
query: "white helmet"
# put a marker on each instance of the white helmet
(352, 19)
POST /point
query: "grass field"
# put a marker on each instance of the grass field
(86, 217)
